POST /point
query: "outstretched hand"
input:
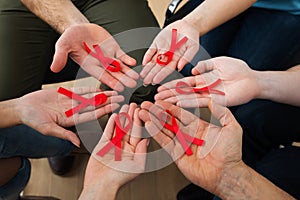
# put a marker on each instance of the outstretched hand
(104, 171)
(238, 82)
(71, 44)
(154, 73)
(44, 111)
(220, 154)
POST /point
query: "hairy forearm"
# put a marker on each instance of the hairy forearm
(280, 86)
(8, 113)
(242, 182)
(59, 14)
(212, 13)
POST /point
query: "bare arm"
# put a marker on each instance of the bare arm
(212, 13)
(8, 114)
(242, 182)
(59, 14)
(280, 86)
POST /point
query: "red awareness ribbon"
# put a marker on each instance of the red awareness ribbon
(108, 63)
(174, 46)
(184, 88)
(117, 139)
(84, 102)
(182, 137)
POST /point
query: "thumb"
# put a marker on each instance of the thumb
(203, 66)
(221, 113)
(59, 59)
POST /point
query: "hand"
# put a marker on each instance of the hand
(44, 111)
(239, 83)
(226, 152)
(155, 73)
(71, 44)
(104, 171)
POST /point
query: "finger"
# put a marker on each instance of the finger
(154, 111)
(149, 54)
(59, 59)
(221, 113)
(146, 69)
(149, 77)
(95, 114)
(172, 84)
(58, 131)
(130, 112)
(188, 55)
(163, 73)
(86, 90)
(153, 124)
(102, 75)
(140, 153)
(165, 94)
(203, 66)
(184, 116)
(124, 79)
(121, 55)
(193, 102)
(136, 131)
(125, 62)
(109, 130)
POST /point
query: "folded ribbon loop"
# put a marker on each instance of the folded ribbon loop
(116, 141)
(182, 137)
(84, 102)
(184, 88)
(165, 58)
(108, 63)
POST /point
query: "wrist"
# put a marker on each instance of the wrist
(16, 110)
(194, 24)
(101, 190)
(264, 81)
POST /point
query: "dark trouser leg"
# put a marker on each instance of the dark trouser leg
(27, 50)
(282, 166)
(266, 125)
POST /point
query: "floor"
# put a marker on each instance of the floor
(161, 185)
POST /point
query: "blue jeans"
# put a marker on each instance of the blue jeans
(25, 142)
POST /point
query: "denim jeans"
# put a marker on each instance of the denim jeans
(23, 141)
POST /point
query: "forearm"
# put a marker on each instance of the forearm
(280, 86)
(242, 182)
(212, 13)
(59, 14)
(8, 113)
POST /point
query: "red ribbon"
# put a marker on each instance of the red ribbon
(182, 137)
(108, 63)
(117, 139)
(184, 88)
(174, 46)
(84, 102)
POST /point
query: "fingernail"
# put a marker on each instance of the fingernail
(153, 84)
(148, 142)
(77, 145)
(145, 85)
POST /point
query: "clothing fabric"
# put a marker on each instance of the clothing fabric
(291, 6)
(27, 50)
(11, 190)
